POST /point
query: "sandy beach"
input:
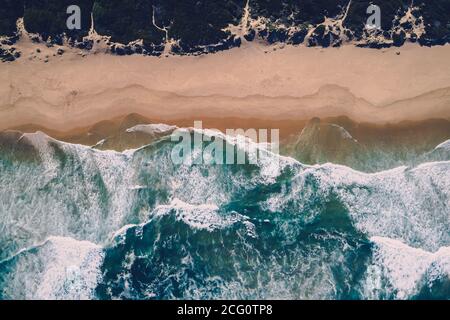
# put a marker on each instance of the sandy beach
(255, 81)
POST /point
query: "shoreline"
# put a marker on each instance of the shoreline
(433, 131)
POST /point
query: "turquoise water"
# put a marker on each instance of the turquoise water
(77, 223)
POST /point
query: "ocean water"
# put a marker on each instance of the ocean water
(79, 223)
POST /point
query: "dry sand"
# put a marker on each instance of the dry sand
(254, 81)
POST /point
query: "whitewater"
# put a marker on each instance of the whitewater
(80, 223)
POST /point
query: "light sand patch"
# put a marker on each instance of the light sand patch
(290, 83)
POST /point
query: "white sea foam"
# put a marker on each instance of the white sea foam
(271, 164)
(41, 142)
(100, 143)
(410, 204)
(444, 146)
(75, 191)
(205, 216)
(201, 217)
(60, 268)
(152, 128)
(95, 192)
(407, 269)
(396, 203)
(344, 133)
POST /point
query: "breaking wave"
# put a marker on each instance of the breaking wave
(79, 223)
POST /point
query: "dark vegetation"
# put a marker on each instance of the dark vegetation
(198, 25)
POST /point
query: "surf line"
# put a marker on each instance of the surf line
(213, 147)
(194, 311)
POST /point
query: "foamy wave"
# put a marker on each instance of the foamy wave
(91, 194)
(152, 129)
(205, 216)
(41, 142)
(59, 269)
(263, 154)
(404, 203)
(74, 192)
(407, 269)
(444, 146)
